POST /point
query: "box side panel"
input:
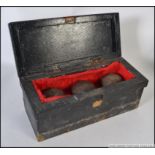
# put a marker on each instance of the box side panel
(30, 114)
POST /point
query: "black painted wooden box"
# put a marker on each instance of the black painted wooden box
(56, 47)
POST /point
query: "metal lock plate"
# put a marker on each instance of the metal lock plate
(97, 103)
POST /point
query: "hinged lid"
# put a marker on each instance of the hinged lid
(41, 43)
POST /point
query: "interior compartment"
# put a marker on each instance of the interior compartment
(65, 82)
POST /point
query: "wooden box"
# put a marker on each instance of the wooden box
(57, 53)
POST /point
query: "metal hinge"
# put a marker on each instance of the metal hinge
(94, 61)
(56, 68)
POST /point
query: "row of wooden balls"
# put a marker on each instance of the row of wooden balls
(84, 85)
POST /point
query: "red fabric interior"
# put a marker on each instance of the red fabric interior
(65, 82)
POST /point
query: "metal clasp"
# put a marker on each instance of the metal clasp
(70, 20)
(97, 103)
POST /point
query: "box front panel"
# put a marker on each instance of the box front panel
(89, 109)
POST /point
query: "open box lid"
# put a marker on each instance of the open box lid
(41, 43)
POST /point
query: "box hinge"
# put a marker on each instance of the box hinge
(94, 61)
(56, 68)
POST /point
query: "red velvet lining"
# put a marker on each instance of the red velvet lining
(65, 82)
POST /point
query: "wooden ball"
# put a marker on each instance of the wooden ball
(53, 92)
(82, 86)
(111, 79)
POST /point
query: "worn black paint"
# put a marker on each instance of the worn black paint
(54, 47)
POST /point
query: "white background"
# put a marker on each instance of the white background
(135, 127)
(77, 3)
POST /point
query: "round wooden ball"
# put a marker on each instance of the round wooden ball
(110, 79)
(82, 86)
(53, 92)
